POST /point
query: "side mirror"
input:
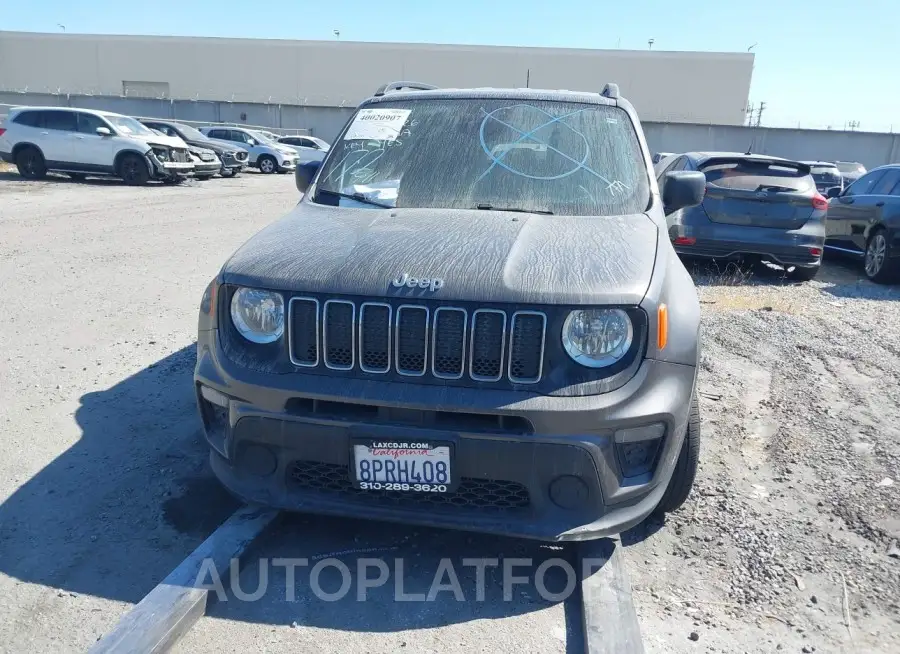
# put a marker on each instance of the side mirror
(683, 189)
(251, 142)
(104, 131)
(304, 174)
(833, 192)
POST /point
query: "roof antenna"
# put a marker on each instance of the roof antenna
(749, 148)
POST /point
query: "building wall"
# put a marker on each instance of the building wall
(664, 86)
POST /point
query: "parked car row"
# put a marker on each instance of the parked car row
(787, 212)
(81, 142)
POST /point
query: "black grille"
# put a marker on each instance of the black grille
(412, 339)
(526, 346)
(304, 331)
(181, 155)
(485, 495)
(375, 337)
(488, 336)
(449, 338)
(445, 342)
(338, 340)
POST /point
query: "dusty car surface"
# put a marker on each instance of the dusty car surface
(489, 332)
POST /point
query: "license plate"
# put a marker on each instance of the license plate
(416, 467)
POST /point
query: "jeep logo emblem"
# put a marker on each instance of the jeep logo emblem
(412, 282)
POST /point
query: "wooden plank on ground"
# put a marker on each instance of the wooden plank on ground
(168, 611)
(608, 616)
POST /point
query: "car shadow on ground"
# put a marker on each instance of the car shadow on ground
(60, 178)
(843, 277)
(98, 519)
(115, 513)
(414, 560)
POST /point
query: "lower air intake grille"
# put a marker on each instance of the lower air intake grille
(472, 494)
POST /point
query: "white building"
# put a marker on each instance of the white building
(692, 87)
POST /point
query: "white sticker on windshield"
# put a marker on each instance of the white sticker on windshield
(377, 124)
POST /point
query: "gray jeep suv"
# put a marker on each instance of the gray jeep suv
(474, 318)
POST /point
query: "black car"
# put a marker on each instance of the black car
(864, 220)
(826, 175)
(756, 207)
(234, 159)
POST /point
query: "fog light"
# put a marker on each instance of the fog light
(214, 396)
(569, 492)
(637, 448)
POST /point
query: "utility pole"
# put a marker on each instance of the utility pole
(750, 110)
(759, 112)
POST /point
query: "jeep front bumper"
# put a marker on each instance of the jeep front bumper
(550, 468)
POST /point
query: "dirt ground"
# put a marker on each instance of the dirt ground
(789, 542)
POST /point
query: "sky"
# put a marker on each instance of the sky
(818, 63)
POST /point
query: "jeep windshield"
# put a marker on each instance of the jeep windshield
(563, 158)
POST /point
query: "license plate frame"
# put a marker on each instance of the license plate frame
(370, 442)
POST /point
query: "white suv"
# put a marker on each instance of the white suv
(84, 142)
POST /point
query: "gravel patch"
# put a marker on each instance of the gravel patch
(788, 536)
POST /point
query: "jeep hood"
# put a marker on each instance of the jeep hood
(481, 256)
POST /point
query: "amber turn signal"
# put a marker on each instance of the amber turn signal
(662, 326)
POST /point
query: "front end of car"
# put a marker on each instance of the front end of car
(206, 162)
(170, 162)
(233, 160)
(559, 421)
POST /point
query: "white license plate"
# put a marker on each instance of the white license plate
(403, 466)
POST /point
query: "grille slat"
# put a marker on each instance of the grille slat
(412, 340)
(337, 334)
(526, 347)
(375, 337)
(448, 343)
(304, 333)
(415, 341)
(488, 343)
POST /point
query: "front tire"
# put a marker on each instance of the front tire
(133, 170)
(686, 466)
(30, 163)
(878, 263)
(228, 172)
(268, 164)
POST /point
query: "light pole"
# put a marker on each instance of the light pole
(650, 44)
(337, 34)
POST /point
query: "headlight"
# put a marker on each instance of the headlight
(597, 338)
(161, 153)
(258, 315)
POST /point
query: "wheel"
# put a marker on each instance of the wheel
(133, 170)
(804, 273)
(267, 164)
(228, 172)
(77, 176)
(686, 465)
(174, 180)
(30, 163)
(878, 263)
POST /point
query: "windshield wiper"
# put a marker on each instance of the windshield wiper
(359, 197)
(484, 206)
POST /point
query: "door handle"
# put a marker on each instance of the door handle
(879, 204)
(45, 133)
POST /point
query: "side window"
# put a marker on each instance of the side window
(30, 118)
(887, 182)
(306, 143)
(240, 137)
(681, 165)
(865, 184)
(218, 134)
(88, 124)
(63, 121)
(672, 165)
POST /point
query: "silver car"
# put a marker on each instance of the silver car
(309, 148)
(265, 154)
